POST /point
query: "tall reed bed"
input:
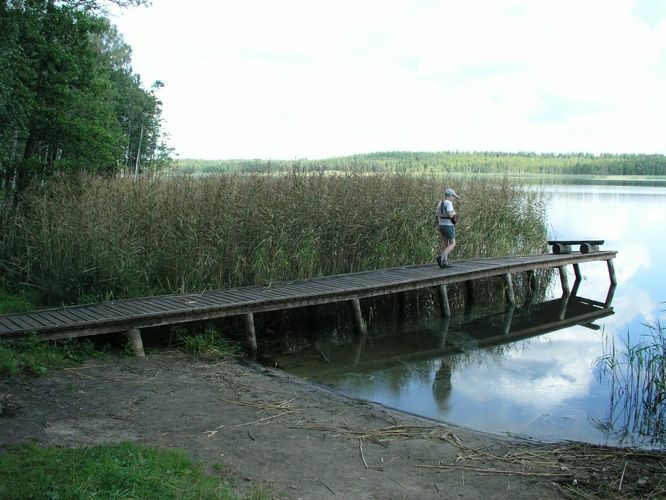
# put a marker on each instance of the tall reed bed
(637, 377)
(98, 239)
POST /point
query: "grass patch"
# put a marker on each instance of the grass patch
(109, 471)
(35, 357)
(208, 345)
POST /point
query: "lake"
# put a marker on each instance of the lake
(576, 383)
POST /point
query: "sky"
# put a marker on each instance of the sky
(296, 79)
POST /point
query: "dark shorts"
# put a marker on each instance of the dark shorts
(449, 232)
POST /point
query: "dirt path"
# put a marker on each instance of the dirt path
(296, 439)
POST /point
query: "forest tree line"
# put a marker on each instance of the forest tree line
(69, 100)
(70, 103)
(447, 162)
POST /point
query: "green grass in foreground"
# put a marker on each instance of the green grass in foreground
(110, 471)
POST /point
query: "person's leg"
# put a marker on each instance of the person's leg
(445, 239)
(447, 250)
(440, 256)
(449, 234)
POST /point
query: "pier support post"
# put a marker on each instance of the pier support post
(444, 331)
(610, 295)
(134, 336)
(359, 323)
(508, 318)
(577, 272)
(564, 279)
(563, 306)
(611, 271)
(250, 333)
(529, 292)
(443, 296)
(469, 293)
(402, 305)
(510, 295)
(574, 290)
(283, 322)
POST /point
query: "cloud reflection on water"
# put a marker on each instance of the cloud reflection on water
(539, 372)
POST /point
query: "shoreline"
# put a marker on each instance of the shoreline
(303, 440)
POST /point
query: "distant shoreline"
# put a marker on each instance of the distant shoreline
(450, 163)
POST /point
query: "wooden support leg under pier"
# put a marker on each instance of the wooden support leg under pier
(576, 285)
(134, 336)
(444, 330)
(359, 344)
(510, 295)
(564, 279)
(443, 296)
(508, 318)
(250, 334)
(529, 292)
(577, 272)
(402, 305)
(469, 293)
(611, 271)
(610, 295)
(171, 335)
(359, 323)
(563, 306)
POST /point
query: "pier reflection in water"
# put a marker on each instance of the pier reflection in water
(521, 370)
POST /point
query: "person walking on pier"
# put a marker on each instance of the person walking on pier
(446, 218)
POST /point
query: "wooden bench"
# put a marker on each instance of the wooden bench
(564, 246)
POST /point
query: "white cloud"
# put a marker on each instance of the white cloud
(305, 79)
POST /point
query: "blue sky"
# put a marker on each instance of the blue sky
(310, 79)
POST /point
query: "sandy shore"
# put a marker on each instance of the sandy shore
(300, 440)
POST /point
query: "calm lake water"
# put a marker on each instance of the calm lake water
(548, 387)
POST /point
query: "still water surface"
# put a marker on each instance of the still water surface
(547, 387)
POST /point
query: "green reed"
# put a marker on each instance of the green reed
(637, 377)
(99, 239)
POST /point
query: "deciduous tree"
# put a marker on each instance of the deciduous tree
(68, 98)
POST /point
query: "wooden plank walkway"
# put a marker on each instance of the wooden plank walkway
(133, 314)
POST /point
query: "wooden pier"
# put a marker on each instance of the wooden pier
(131, 315)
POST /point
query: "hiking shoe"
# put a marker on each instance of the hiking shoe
(439, 260)
(445, 264)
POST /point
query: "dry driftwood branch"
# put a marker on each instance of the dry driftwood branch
(382, 436)
(264, 406)
(325, 486)
(360, 448)
(262, 419)
(490, 471)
